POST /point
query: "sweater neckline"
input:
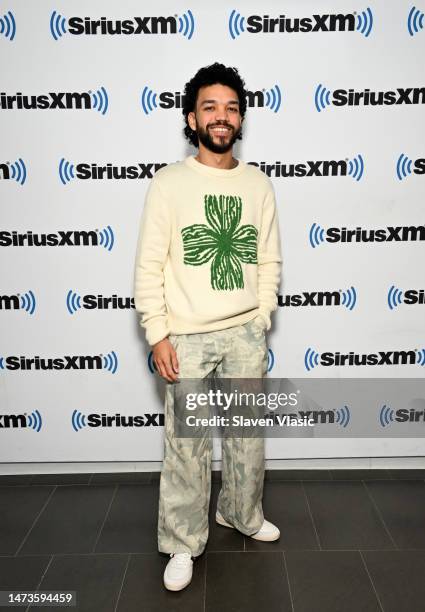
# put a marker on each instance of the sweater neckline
(210, 171)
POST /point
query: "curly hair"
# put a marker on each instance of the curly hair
(210, 75)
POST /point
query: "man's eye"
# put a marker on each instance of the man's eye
(208, 107)
(233, 110)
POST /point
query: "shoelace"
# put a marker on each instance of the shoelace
(181, 558)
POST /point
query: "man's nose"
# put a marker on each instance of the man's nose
(221, 113)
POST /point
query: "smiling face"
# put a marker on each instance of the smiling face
(216, 119)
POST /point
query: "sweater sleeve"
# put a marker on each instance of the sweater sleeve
(269, 258)
(151, 254)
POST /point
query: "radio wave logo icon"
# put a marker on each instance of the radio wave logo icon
(151, 364)
(349, 298)
(73, 301)
(78, 420)
(415, 21)
(107, 238)
(403, 167)
(28, 302)
(421, 356)
(66, 171)
(316, 235)
(270, 360)
(8, 26)
(395, 297)
(342, 416)
(273, 98)
(18, 171)
(187, 24)
(311, 359)
(110, 362)
(365, 22)
(100, 100)
(386, 416)
(34, 420)
(236, 24)
(57, 25)
(148, 100)
(356, 167)
(321, 97)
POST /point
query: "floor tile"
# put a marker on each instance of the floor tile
(248, 581)
(330, 581)
(360, 474)
(131, 525)
(401, 503)
(285, 505)
(345, 516)
(297, 475)
(71, 520)
(19, 507)
(122, 478)
(398, 577)
(143, 589)
(96, 579)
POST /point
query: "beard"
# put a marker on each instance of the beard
(222, 146)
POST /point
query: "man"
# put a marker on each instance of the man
(206, 279)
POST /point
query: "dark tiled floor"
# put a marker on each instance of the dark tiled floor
(351, 541)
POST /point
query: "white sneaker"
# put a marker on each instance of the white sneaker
(178, 572)
(267, 533)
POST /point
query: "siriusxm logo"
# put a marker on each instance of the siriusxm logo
(387, 416)
(80, 420)
(8, 26)
(404, 166)
(18, 301)
(347, 298)
(415, 21)
(104, 238)
(174, 24)
(107, 362)
(86, 100)
(396, 296)
(15, 171)
(74, 302)
(343, 167)
(350, 97)
(401, 233)
(312, 358)
(69, 171)
(263, 98)
(22, 421)
(264, 24)
(339, 416)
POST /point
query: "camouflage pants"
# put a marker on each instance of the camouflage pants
(185, 484)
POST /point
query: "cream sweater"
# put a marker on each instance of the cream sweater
(208, 253)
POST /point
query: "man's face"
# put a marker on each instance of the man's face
(216, 120)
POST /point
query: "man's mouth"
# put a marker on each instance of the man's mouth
(220, 130)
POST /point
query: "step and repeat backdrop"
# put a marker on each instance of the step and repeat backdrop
(90, 109)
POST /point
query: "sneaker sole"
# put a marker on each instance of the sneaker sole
(222, 522)
(173, 587)
(271, 538)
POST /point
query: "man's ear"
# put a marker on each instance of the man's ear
(192, 121)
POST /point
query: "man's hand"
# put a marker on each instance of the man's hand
(165, 360)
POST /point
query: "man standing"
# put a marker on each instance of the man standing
(206, 278)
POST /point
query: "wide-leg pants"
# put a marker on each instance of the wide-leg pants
(185, 484)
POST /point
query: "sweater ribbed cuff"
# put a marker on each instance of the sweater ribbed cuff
(155, 331)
